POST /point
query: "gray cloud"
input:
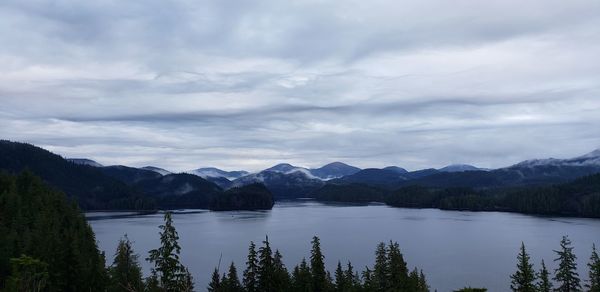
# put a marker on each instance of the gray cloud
(246, 84)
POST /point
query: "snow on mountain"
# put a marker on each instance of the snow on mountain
(589, 159)
(159, 170)
(334, 170)
(459, 168)
(85, 161)
(207, 172)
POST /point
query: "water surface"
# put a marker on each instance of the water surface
(453, 248)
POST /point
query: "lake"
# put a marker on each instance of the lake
(453, 248)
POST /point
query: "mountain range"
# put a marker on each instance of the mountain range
(196, 187)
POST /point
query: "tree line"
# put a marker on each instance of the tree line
(578, 198)
(565, 278)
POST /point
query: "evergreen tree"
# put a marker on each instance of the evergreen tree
(413, 280)
(593, 284)
(125, 272)
(317, 266)
(398, 270)
(523, 280)
(341, 281)
(170, 273)
(266, 269)
(544, 284)
(369, 283)
(251, 273)
(215, 282)
(233, 282)
(381, 268)
(422, 285)
(352, 278)
(566, 274)
(302, 278)
(281, 276)
(27, 274)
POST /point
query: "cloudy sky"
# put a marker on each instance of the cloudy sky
(247, 84)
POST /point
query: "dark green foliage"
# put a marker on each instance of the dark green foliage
(397, 268)
(171, 274)
(594, 271)
(543, 284)
(523, 280)
(38, 222)
(281, 277)
(125, 272)
(27, 275)
(317, 266)
(566, 274)
(266, 268)
(469, 289)
(87, 184)
(231, 282)
(215, 282)
(381, 270)
(301, 278)
(251, 273)
(250, 197)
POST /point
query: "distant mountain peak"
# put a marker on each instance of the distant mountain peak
(213, 172)
(459, 168)
(334, 170)
(85, 161)
(159, 170)
(396, 169)
(282, 167)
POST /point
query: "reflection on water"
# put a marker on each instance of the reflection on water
(454, 249)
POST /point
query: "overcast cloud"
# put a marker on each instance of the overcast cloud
(247, 84)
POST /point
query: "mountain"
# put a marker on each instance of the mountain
(334, 170)
(591, 159)
(213, 172)
(158, 170)
(396, 169)
(459, 168)
(84, 161)
(386, 178)
(292, 184)
(129, 175)
(88, 185)
(180, 190)
(249, 197)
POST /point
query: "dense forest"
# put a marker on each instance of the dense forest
(47, 245)
(126, 188)
(580, 197)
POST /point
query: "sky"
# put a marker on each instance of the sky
(248, 84)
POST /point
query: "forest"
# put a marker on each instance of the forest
(47, 245)
(580, 198)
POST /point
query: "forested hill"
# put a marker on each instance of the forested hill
(45, 239)
(121, 187)
(88, 185)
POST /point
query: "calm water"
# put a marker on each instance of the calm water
(454, 249)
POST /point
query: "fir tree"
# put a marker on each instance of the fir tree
(170, 273)
(251, 273)
(566, 274)
(233, 282)
(369, 282)
(317, 266)
(125, 272)
(301, 278)
(593, 284)
(543, 283)
(422, 285)
(381, 268)
(281, 276)
(398, 270)
(353, 278)
(523, 280)
(266, 269)
(341, 281)
(215, 282)
(27, 274)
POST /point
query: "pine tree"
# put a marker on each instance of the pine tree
(381, 268)
(353, 278)
(593, 284)
(422, 286)
(341, 282)
(369, 282)
(281, 275)
(266, 269)
(398, 270)
(251, 273)
(27, 274)
(125, 272)
(170, 273)
(566, 273)
(233, 282)
(413, 280)
(317, 266)
(215, 282)
(301, 278)
(544, 284)
(524, 278)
